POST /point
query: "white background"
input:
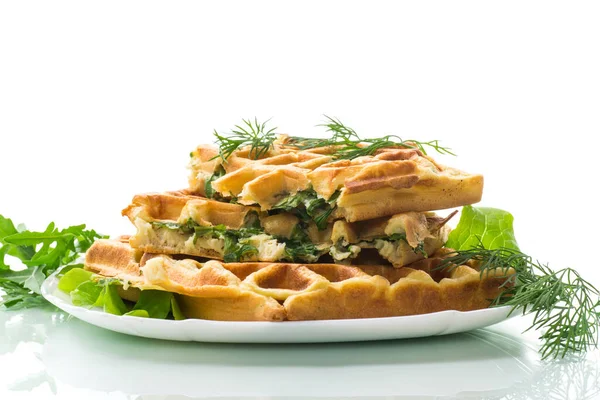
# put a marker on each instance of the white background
(102, 100)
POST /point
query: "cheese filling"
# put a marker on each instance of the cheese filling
(341, 253)
(253, 244)
(268, 248)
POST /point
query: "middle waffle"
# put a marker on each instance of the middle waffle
(180, 223)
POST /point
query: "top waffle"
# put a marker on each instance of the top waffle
(391, 181)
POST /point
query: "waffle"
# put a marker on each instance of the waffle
(391, 181)
(180, 223)
(283, 291)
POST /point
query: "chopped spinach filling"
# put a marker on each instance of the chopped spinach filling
(298, 248)
(340, 251)
(233, 249)
(211, 193)
(308, 206)
(208, 189)
(394, 237)
(252, 220)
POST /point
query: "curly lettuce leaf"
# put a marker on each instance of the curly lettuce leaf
(490, 227)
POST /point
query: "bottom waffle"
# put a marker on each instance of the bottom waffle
(282, 291)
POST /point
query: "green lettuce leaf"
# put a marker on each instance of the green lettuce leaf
(113, 303)
(73, 278)
(156, 303)
(138, 313)
(86, 294)
(87, 290)
(176, 311)
(490, 227)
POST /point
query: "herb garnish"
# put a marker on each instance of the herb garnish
(565, 306)
(348, 145)
(250, 133)
(41, 253)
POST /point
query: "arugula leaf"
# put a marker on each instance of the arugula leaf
(41, 253)
(17, 297)
(18, 277)
(491, 228)
(34, 280)
(3, 266)
(7, 228)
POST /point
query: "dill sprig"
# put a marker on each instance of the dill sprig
(249, 133)
(347, 144)
(565, 307)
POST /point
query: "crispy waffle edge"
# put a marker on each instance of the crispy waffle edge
(285, 291)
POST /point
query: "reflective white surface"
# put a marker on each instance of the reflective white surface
(45, 354)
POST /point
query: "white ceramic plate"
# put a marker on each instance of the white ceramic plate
(347, 330)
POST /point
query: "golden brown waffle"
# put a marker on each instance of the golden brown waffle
(281, 291)
(162, 221)
(391, 181)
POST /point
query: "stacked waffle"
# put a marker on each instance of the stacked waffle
(294, 234)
